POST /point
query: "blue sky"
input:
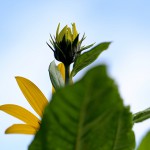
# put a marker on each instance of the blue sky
(25, 28)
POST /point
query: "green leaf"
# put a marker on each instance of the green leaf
(88, 115)
(141, 116)
(88, 57)
(55, 76)
(145, 143)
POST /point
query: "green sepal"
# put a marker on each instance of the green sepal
(86, 47)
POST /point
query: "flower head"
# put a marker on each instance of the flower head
(38, 102)
(36, 99)
(66, 44)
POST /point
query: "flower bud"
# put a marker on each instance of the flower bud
(66, 45)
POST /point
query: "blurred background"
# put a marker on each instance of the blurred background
(25, 27)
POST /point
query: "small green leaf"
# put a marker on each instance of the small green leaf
(55, 76)
(145, 143)
(88, 115)
(141, 116)
(88, 57)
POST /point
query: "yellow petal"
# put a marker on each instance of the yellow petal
(33, 95)
(21, 129)
(74, 30)
(21, 113)
(62, 33)
(69, 35)
(61, 68)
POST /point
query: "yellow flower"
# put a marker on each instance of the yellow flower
(36, 99)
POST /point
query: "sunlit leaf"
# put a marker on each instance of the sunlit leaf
(88, 57)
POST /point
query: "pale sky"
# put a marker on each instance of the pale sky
(25, 27)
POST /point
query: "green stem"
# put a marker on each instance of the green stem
(67, 70)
